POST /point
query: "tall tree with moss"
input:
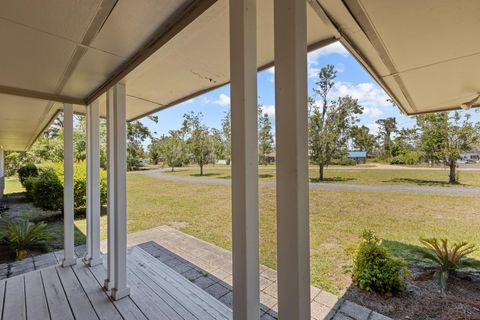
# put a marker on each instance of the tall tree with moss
(329, 121)
(227, 136)
(387, 127)
(218, 145)
(197, 138)
(445, 136)
(265, 137)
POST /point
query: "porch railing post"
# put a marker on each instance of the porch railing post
(243, 76)
(120, 288)
(293, 261)
(2, 172)
(93, 185)
(110, 190)
(68, 214)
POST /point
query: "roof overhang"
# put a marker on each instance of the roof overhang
(422, 53)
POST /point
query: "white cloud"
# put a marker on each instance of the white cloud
(373, 112)
(314, 62)
(270, 110)
(368, 94)
(374, 128)
(222, 100)
(271, 70)
(189, 101)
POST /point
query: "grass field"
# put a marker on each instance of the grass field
(337, 219)
(370, 176)
(13, 185)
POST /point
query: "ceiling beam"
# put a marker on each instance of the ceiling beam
(40, 95)
(179, 20)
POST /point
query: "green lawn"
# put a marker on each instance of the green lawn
(367, 175)
(13, 185)
(337, 220)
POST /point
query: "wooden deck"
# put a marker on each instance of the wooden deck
(157, 292)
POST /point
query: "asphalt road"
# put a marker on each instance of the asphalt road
(451, 191)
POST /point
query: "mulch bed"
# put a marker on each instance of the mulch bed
(423, 300)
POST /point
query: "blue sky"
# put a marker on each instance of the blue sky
(351, 79)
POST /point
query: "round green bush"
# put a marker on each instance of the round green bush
(48, 191)
(375, 269)
(26, 171)
(28, 184)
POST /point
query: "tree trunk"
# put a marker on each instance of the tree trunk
(453, 173)
(321, 172)
(201, 169)
(173, 169)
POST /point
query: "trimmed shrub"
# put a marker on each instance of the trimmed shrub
(345, 161)
(375, 269)
(410, 158)
(29, 184)
(80, 183)
(27, 171)
(48, 190)
(398, 160)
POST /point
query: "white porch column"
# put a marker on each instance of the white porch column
(243, 76)
(292, 159)
(93, 257)
(68, 213)
(120, 288)
(108, 284)
(2, 172)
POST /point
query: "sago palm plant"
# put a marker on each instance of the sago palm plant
(22, 235)
(447, 258)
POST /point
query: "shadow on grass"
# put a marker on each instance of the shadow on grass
(204, 175)
(423, 182)
(265, 175)
(331, 179)
(261, 176)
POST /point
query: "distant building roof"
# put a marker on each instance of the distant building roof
(357, 154)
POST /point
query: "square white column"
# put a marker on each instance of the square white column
(245, 235)
(2, 172)
(108, 284)
(292, 159)
(68, 209)
(120, 288)
(93, 256)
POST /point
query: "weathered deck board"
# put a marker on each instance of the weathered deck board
(14, 303)
(56, 299)
(37, 308)
(178, 287)
(79, 302)
(76, 292)
(127, 308)
(97, 296)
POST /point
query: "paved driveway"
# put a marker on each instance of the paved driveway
(452, 191)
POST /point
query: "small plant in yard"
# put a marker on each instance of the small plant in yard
(375, 268)
(22, 235)
(27, 171)
(447, 258)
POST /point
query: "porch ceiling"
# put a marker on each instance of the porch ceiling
(168, 51)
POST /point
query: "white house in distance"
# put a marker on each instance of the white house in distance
(124, 59)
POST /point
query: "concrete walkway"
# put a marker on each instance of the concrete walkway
(451, 191)
(210, 267)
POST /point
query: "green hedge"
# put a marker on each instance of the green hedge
(46, 190)
(27, 171)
